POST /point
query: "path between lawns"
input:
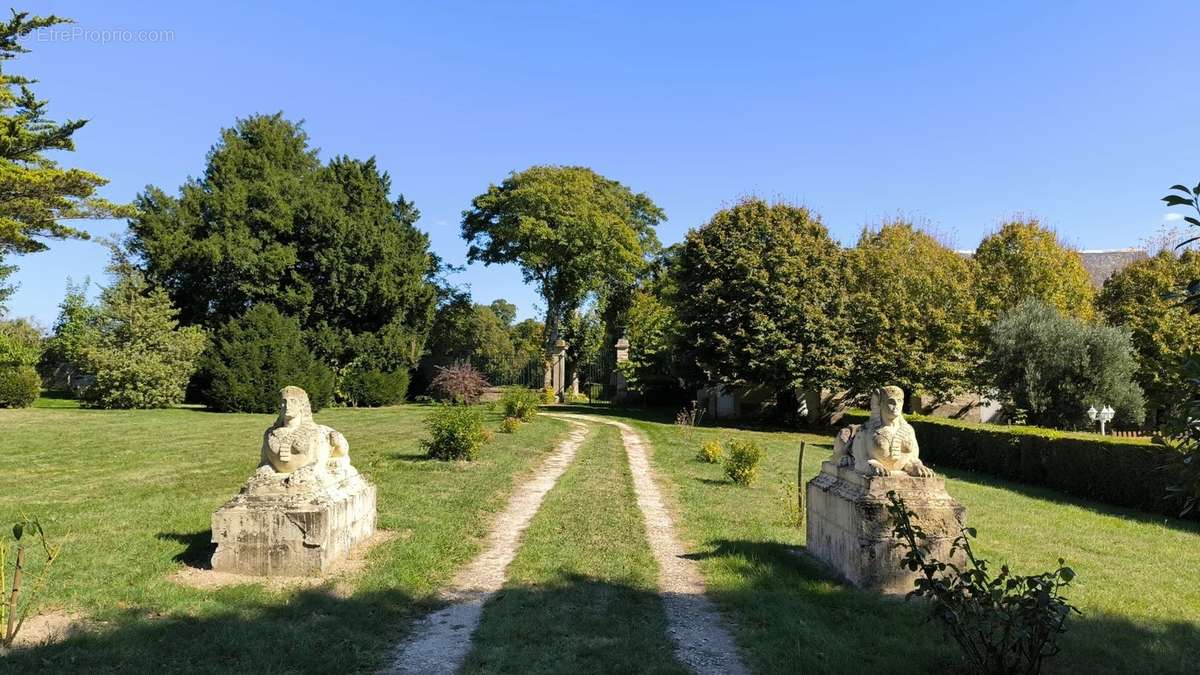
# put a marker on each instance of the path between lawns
(702, 642)
(440, 642)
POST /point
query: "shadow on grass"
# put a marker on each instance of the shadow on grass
(1052, 495)
(198, 551)
(411, 456)
(573, 624)
(313, 631)
(800, 619)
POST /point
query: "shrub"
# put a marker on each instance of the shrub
(1003, 624)
(509, 425)
(687, 419)
(138, 356)
(1119, 471)
(581, 397)
(548, 395)
(710, 452)
(20, 386)
(742, 463)
(1054, 366)
(374, 388)
(520, 403)
(252, 357)
(459, 383)
(455, 432)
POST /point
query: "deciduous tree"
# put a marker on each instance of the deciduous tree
(1142, 298)
(569, 229)
(1025, 260)
(761, 299)
(913, 317)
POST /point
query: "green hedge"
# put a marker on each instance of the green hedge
(1117, 471)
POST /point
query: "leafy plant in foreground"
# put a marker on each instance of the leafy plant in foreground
(13, 611)
(520, 403)
(710, 452)
(1005, 623)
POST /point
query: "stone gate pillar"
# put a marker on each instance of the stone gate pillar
(620, 386)
(558, 369)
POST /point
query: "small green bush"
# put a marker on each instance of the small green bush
(374, 388)
(710, 452)
(548, 395)
(455, 432)
(741, 466)
(520, 402)
(581, 397)
(251, 358)
(19, 386)
(509, 425)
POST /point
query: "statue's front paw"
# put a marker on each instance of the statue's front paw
(877, 470)
(919, 470)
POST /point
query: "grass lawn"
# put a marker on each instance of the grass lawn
(581, 594)
(1137, 584)
(130, 494)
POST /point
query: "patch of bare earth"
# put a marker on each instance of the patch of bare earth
(48, 628)
(440, 641)
(341, 571)
(702, 642)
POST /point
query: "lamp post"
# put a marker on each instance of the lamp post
(1105, 416)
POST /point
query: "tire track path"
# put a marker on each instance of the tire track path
(439, 642)
(702, 641)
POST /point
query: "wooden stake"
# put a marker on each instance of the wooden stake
(800, 483)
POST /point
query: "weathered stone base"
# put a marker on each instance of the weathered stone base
(849, 528)
(292, 534)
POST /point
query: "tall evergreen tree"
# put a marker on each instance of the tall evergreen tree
(38, 194)
(267, 223)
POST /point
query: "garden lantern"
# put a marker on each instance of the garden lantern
(1104, 415)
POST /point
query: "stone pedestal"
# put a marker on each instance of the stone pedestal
(295, 524)
(849, 528)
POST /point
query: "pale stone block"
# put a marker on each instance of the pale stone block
(849, 528)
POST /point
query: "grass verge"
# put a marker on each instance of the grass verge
(130, 494)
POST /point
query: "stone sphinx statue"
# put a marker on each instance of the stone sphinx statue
(304, 508)
(295, 441)
(848, 525)
(886, 443)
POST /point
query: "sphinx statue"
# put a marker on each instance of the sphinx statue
(303, 509)
(886, 443)
(295, 441)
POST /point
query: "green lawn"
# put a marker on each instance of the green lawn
(1137, 584)
(131, 493)
(581, 594)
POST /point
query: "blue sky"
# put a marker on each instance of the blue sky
(959, 114)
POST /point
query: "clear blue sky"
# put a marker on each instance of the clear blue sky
(1081, 113)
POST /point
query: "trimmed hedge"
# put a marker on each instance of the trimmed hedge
(1118, 471)
(20, 386)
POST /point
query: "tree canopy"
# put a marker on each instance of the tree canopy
(1052, 367)
(38, 194)
(913, 317)
(761, 298)
(1142, 298)
(571, 231)
(267, 223)
(1025, 260)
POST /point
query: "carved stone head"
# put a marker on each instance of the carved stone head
(888, 403)
(293, 405)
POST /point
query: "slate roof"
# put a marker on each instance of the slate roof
(1101, 265)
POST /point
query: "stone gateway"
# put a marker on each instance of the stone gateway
(847, 520)
(303, 509)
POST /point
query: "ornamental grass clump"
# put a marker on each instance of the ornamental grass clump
(741, 466)
(1005, 623)
(710, 452)
(520, 403)
(455, 433)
